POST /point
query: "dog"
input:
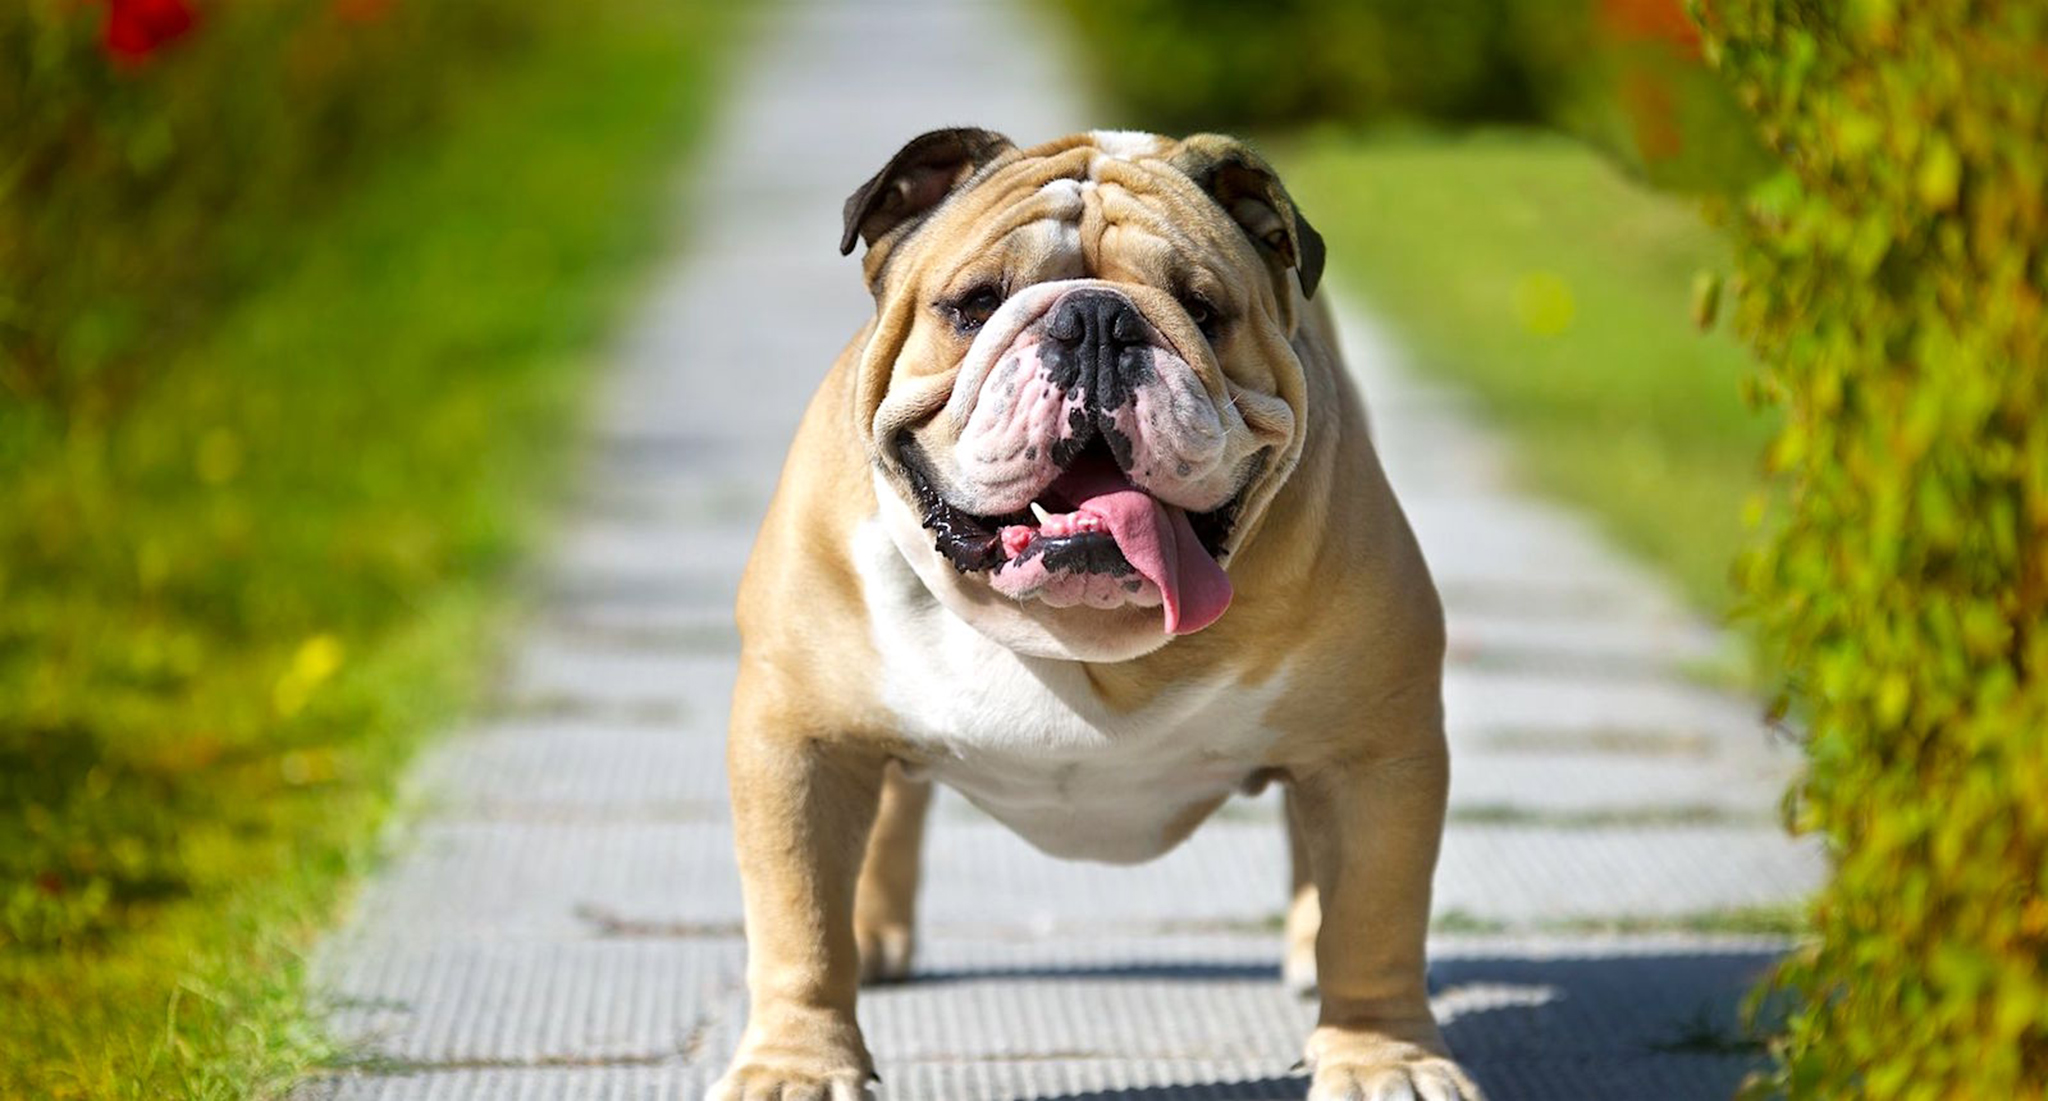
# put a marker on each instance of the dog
(1085, 523)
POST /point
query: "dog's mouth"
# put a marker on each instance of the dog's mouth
(1090, 536)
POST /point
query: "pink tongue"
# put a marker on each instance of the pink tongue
(1157, 540)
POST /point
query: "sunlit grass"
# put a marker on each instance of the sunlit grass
(1529, 271)
(231, 607)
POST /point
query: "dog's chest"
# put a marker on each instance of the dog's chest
(1030, 742)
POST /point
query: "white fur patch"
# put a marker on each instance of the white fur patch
(1069, 197)
(1126, 144)
(1027, 740)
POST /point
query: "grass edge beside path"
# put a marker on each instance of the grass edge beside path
(1530, 273)
(200, 775)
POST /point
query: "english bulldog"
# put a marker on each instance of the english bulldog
(1086, 524)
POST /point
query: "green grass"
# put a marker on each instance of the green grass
(231, 608)
(1527, 270)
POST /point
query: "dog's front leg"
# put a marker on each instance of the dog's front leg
(1372, 827)
(802, 808)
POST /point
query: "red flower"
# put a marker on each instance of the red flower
(137, 28)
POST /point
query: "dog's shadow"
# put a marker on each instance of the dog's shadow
(1262, 1089)
(1646, 1024)
(1155, 971)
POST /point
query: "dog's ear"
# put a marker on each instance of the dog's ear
(916, 179)
(1248, 189)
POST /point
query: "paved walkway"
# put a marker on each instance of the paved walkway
(562, 916)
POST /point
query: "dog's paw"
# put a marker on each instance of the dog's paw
(758, 1081)
(798, 1053)
(1431, 1079)
(885, 952)
(1365, 1068)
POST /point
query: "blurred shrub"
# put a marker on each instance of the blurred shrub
(1622, 74)
(292, 291)
(157, 159)
(1893, 278)
(1185, 65)
(253, 550)
(157, 152)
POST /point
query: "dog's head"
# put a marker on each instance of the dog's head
(1079, 393)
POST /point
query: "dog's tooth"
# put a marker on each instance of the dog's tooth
(1038, 510)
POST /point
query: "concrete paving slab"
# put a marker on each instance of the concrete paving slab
(1483, 702)
(1584, 644)
(511, 1003)
(552, 675)
(1542, 875)
(652, 627)
(571, 876)
(565, 879)
(1181, 1017)
(661, 548)
(555, 769)
(1503, 542)
(1589, 787)
(1627, 1077)
(519, 1083)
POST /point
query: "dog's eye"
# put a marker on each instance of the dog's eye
(973, 309)
(1203, 315)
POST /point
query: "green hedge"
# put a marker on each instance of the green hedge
(1185, 65)
(146, 196)
(278, 424)
(1893, 281)
(1623, 75)
(140, 189)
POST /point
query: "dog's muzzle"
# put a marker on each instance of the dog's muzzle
(1079, 437)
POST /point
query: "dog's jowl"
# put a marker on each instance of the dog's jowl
(1085, 523)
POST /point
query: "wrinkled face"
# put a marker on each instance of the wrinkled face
(1082, 395)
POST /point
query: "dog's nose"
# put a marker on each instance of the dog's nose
(1098, 345)
(1096, 317)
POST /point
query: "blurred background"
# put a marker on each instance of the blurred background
(291, 367)
(300, 302)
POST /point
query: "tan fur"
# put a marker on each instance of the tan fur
(885, 902)
(1330, 587)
